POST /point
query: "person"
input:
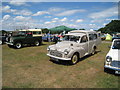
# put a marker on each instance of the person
(55, 39)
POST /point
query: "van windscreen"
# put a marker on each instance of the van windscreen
(116, 45)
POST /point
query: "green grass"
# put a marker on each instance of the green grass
(29, 67)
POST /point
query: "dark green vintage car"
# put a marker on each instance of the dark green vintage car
(29, 36)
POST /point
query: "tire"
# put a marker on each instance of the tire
(0, 42)
(93, 51)
(74, 59)
(37, 43)
(18, 45)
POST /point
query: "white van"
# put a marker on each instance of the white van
(112, 61)
(76, 44)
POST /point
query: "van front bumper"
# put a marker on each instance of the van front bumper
(59, 58)
(9, 43)
(113, 68)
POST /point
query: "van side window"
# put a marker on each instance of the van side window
(29, 33)
(92, 36)
(84, 39)
(99, 34)
(95, 36)
(36, 32)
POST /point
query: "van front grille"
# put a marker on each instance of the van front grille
(115, 64)
(56, 53)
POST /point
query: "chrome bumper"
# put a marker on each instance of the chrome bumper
(113, 68)
(9, 43)
(66, 59)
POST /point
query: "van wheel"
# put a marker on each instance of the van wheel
(74, 59)
(93, 51)
(0, 42)
(18, 45)
(37, 43)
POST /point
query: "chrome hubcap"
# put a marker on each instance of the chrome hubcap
(18, 45)
(36, 43)
(74, 59)
(0, 42)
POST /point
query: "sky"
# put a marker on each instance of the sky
(87, 15)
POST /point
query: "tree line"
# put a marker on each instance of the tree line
(112, 27)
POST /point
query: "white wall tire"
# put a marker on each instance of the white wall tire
(93, 51)
(18, 45)
(0, 42)
(37, 43)
(74, 59)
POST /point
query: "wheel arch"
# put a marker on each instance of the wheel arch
(16, 41)
(77, 54)
(94, 47)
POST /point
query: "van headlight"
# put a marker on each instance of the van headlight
(11, 39)
(108, 59)
(48, 48)
(6, 38)
(66, 51)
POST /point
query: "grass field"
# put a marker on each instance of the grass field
(29, 67)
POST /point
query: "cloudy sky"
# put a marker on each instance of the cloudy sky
(88, 15)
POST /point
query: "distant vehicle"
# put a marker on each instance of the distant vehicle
(116, 37)
(103, 37)
(2, 39)
(112, 61)
(29, 36)
(76, 44)
(47, 37)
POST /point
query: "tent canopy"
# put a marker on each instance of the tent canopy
(108, 37)
(59, 29)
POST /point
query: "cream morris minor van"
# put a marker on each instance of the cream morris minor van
(76, 44)
(112, 61)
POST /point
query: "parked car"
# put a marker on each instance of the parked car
(29, 36)
(76, 44)
(112, 61)
(2, 39)
(47, 37)
(116, 37)
(103, 37)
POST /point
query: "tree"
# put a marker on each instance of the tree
(45, 30)
(3, 32)
(112, 27)
(81, 29)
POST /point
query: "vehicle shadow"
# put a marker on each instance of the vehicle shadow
(67, 63)
(32, 45)
(110, 71)
(27, 46)
(87, 56)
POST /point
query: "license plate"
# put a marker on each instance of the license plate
(117, 72)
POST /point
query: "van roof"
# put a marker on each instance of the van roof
(31, 30)
(76, 34)
(82, 31)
